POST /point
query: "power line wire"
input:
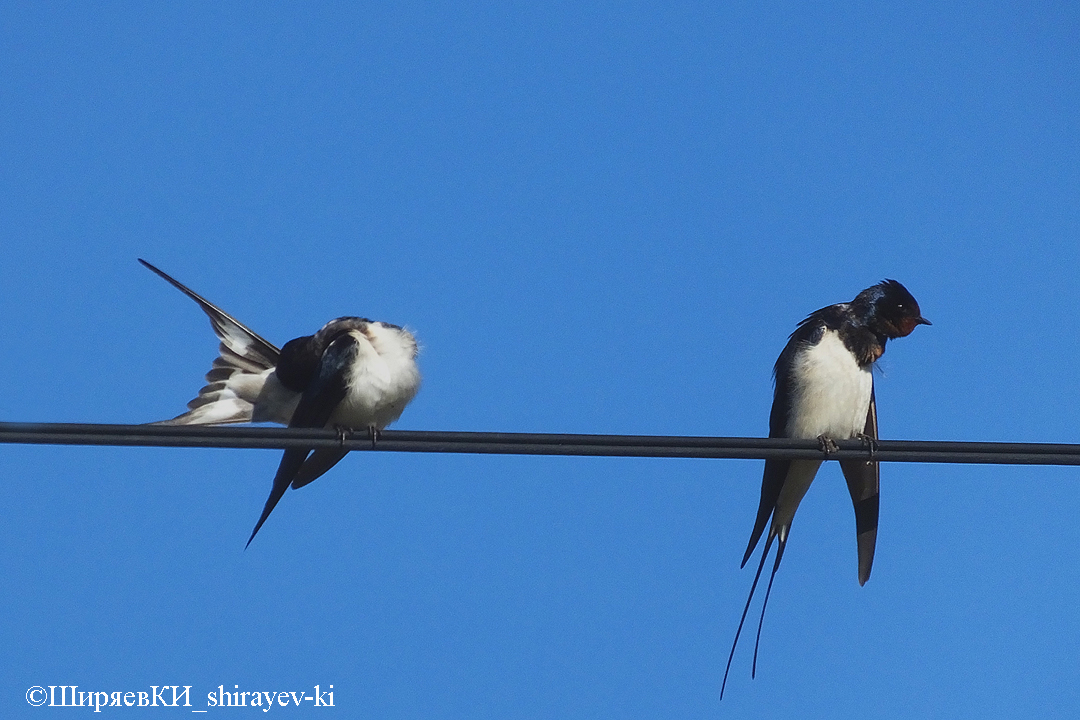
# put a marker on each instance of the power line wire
(659, 446)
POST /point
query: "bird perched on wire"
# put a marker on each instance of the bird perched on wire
(825, 390)
(352, 374)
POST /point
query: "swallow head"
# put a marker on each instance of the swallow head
(300, 357)
(391, 341)
(330, 331)
(889, 309)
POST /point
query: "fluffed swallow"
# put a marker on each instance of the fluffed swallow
(825, 390)
(353, 373)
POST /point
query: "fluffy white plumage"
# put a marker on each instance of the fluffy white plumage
(382, 380)
(832, 393)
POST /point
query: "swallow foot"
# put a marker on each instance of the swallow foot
(827, 445)
(373, 433)
(343, 434)
(870, 442)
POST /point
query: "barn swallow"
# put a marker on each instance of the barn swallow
(824, 389)
(353, 373)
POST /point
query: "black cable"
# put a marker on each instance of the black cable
(660, 446)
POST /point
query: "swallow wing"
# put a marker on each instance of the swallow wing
(313, 468)
(776, 472)
(236, 376)
(863, 481)
(317, 405)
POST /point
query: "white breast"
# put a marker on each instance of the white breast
(383, 379)
(831, 393)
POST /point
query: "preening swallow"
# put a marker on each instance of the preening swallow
(825, 390)
(353, 373)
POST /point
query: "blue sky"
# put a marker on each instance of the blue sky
(596, 218)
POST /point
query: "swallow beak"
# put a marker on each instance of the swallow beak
(908, 325)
